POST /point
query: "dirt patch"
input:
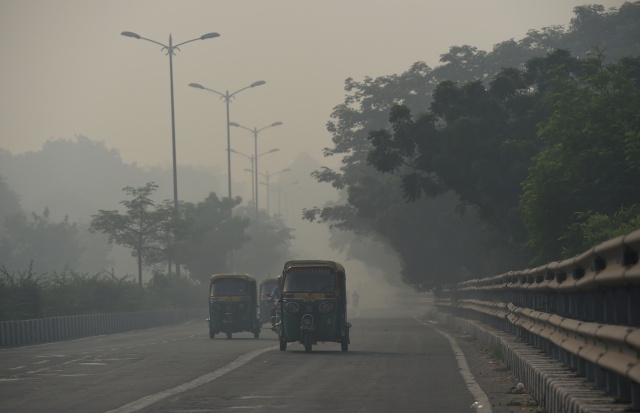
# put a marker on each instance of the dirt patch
(495, 379)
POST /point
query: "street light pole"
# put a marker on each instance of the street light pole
(255, 132)
(252, 160)
(227, 98)
(267, 176)
(170, 51)
(250, 157)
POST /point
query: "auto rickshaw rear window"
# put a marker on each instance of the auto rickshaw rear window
(315, 279)
(224, 287)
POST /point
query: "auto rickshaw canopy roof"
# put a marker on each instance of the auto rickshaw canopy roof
(269, 281)
(246, 277)
(335, 266)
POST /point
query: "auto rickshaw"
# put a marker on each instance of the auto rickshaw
(314, 304)
(266, 303)
(233, 305)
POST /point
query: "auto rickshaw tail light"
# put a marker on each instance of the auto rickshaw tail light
(325, 307)
(291, 307)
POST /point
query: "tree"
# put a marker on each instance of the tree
(498, 107)
(9, 204)
(41, 244)
(268, 246)
(589, 166)
(137, 228)
(213, 233)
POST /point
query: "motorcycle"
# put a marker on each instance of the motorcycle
(276, 317)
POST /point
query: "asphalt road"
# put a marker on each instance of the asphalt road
(397, 364)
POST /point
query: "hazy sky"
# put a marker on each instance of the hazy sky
(67, 71)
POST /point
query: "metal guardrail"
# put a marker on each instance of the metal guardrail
(35, 331)
(584, 312)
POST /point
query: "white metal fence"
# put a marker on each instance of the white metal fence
(25, 332)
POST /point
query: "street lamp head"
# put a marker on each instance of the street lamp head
(196, 85)
(234, 124)
(131, 34)
(276, 124)
(285, 170)
(273, 150)
(258, 83)
(209, 36)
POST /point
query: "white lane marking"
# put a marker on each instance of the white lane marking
(148, 400)
(42, 362)
(51, 355)
(467, 376)
(18, 368)
(263, 397)
(38, 371)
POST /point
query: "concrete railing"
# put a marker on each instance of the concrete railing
(584, 312)
(25, 332)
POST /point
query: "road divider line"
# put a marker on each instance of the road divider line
(153, 398)
(482, 401)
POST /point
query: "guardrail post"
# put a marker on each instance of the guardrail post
(634, 307)
(600, 378)
(635, 396)
(609, 308)
(621, 305)
(598, 308)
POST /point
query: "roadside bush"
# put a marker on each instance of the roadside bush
(20, 295)
(170, 291)
(25, 295)
(72, 293)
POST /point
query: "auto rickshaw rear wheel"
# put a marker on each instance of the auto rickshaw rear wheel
(229, 336)
(344, 345)
(256, 334)
(283, 344)
(211, 334)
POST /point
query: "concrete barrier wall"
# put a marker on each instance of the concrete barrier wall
(577, 323)
(26, 332)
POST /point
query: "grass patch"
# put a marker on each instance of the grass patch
(495, 353)
(523, 403)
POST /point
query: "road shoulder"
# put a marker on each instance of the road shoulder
(492, 375)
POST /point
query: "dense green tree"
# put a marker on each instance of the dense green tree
(589, 165)
(137, 228)
(475, 142)
(509, 99)
(213, 233)
(268, 246)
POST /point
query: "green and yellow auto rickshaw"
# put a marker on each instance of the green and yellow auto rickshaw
(266, 302)
(233, 305)
(314, 304)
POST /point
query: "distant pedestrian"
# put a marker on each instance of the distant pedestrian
(276, 294)
(354, 299)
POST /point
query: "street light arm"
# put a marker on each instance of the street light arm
(240, 126)
(271, 151)
(137, 36)
(269, 126)
(254, 84)
(199, 86)
(203, 37)
(240, 153)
